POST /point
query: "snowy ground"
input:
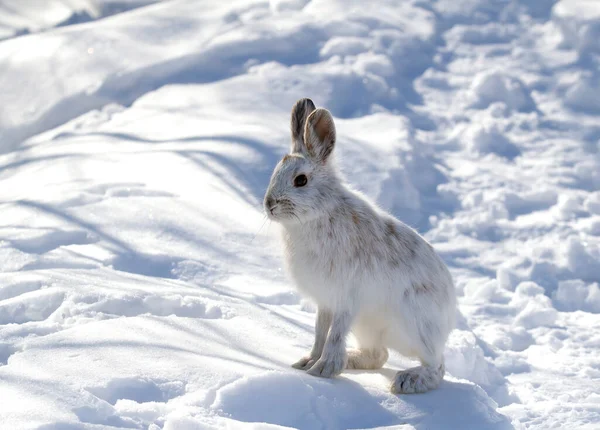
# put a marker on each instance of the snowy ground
(139, 284)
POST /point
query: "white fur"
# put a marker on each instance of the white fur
(368, 272)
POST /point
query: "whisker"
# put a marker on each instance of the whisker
(261, 227)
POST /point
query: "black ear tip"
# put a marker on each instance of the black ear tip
(306, 103)
(301, 110)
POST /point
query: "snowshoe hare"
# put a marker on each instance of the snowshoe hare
(367, 272)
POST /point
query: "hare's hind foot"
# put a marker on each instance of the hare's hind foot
(367, 358)
(417, 379)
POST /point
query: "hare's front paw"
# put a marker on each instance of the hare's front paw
(327, 367)
(305, 363)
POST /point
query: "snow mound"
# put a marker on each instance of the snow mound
(584, 94)
(466, 360)
(583, 261)
(538, 312)
(579, 24)
(535, 309)
(31, 306)
(299, 401)
(482, 139)
(495, 86)
(576, 295)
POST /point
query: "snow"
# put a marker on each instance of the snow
(140, 285)
(575, 294)
(585, 93)
(578, 22)
(493, 86)
(28, 16)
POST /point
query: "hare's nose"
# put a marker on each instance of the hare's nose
(271, 203)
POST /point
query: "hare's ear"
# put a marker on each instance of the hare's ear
(300, 112)
(319, 135)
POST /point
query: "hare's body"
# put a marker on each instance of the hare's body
(367, 272)
(362, 259)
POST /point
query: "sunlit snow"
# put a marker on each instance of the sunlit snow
(142, 287)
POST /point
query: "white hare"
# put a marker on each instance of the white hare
(367, 272)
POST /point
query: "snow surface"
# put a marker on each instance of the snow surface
(140, 286)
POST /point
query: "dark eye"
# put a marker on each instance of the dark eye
(300, 181)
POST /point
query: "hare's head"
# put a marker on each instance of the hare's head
(304, 183)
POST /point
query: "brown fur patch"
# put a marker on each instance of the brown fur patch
(330, 227)
(423, 289)
(390, 229)
(355, 218)
(319, 135)
(323, 126)
(288, 157)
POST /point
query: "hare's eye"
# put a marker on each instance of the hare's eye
(300, 181)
